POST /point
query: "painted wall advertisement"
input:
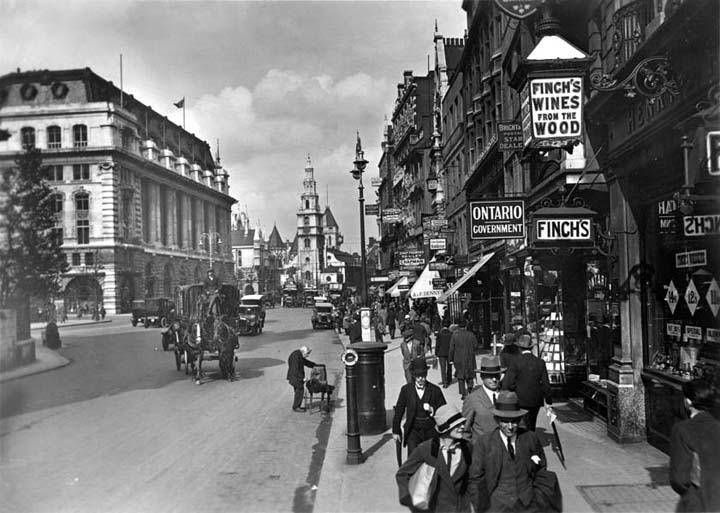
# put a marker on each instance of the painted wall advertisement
(555, 111)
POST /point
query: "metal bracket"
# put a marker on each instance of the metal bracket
(651, 78)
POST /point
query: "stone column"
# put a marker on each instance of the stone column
(626, 422)
(171, 217)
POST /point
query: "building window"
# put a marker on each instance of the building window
(89, 259)
(82, 202)
(80, 136)
(76, 259)
(54, 137)
(308, 276)
(57, 234)
(81, 171)
(54, 173)
(83, 231)
(27, 135)
(57, 203)
(307, 243)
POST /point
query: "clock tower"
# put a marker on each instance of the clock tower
(310, 238)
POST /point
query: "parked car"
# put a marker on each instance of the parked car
(248, 320)
(322, 316)
(255, 300)
(153, 311)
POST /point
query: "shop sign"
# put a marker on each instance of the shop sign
(712, 335)
(698, 226)
(563, 229)
(713, 297)
(438, 244)
(666, 216)
(693, 333)
(379, 279)
(398, 177)
(372, 209)
(439, 266)
(555, 110)
(376, 181)
(411, 259)
(672, 297)
(497, 219)
(391, 215)
(673, 330)
(439, 283)
(692, 297)
(510, 136)
(436, 224)
(713, 152)
(691, 258)
(518, 9)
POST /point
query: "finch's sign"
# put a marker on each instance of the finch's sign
(555, 111)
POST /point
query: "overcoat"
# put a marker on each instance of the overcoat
(409, 400)
(528, 377)
(451, 492)
(477, 410)
(296, 368)
(462, 353)
(442, 342)
(701, 435)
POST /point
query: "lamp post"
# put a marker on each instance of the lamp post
(210, 236)
(97, 265)
(357, 171)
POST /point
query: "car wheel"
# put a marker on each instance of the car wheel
(134, 322)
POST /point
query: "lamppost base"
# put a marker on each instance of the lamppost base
(354, 454)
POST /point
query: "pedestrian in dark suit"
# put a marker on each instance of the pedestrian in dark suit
(478, 406)
(694, 449)
(355, 330)
(505, 462)
(509, 352)
(442, 350)
(528, 377)
(462, 355)
(418, 402)
(450, 456)
(296, 374)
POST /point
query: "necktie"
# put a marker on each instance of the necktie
(449, 459)
(511, 450)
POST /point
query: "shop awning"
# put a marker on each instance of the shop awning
(395, 290)
(465, 277)
(423, 287)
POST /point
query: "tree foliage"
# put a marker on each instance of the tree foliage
(30, 256)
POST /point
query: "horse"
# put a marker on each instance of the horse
(214, 334)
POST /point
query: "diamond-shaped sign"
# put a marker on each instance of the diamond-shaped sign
(713, 297)
(692, 297)
(671, 297)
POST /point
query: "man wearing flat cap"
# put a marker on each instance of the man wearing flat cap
(478, 406)
(528, 377)
(505, 461)
(418, 401)
(449, 455)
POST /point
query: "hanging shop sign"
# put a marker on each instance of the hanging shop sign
(438, 244)
(563, 227)
(699, 226)
(376, 181)
(666, 216)
(510, 136)
(497, 219)
(552, 111)
(439, 283)
(691, 258)
(372, 209)
(411, 259)
(518, 9)
(391, 215)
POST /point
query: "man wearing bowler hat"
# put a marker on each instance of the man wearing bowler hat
(418, 401)
(509, 351)
(478, 406)
(505, 461)
(528, 377)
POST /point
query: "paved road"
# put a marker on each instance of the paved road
(120, 430)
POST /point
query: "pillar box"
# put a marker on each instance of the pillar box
(370, 372)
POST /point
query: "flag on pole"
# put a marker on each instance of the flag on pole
(180, 104)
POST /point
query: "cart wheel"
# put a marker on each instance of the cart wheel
(164, 322)
(177, 360)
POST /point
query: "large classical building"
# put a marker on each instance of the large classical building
(142, 205)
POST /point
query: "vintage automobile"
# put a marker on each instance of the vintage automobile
(257, 300)
(248, 320)
(322, 316)
(153, 311)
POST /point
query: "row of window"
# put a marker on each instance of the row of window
(82, 231)
(56, 173)
(82, 202)
(54, 137)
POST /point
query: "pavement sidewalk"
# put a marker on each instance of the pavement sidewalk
(601, 475)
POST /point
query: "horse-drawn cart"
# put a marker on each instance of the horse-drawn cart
(204, 329)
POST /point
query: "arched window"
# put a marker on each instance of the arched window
(54, 137)
(308, 276)
(27, 136)
(306, 220)
(80, 139)
(307, 243)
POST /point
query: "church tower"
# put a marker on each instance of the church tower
(310, 239)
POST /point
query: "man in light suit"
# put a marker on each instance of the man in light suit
(528, 377)
(478, 406)
(505, 461)
(694, 446)
(418, 402)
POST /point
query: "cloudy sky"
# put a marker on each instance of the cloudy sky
(274, 81)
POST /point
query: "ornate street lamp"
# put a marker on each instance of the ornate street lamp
(357, 171)
(212, 239)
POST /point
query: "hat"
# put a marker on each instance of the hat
(408, 334)
(524, 341)
(210, 271)
(508, 339)
(419, 367)
(407, 316)
(490, 365)
(305, 350)
(447, 417)
(507, 406)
